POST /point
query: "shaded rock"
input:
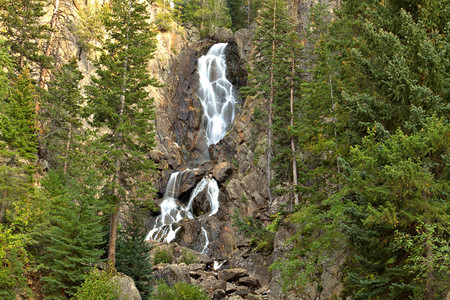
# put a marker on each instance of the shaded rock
(219, 294)
(253, 297)
(196, 267)
(232, 274)
(128, 290)
(201, 204)
(222, 171)
(172, 274)
(242, 291)
(212, 283)
(230, 288)
(249, 281)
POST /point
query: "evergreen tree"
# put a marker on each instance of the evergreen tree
(60, 114)
(73, 242)
(119, 103)
(23, 31)
(271, 73)
(133, 255)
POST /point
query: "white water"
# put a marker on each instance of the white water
(172, 211)
(216, 94)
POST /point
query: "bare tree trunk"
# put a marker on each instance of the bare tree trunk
(272, 79)
(53, 21)
(67, 149)
(294, 160)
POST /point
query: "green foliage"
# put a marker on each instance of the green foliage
(133, 257)
(23, 31)
(180, 291)
(98, 285)
(206, 15)
(90, 31)
(75, 236)
(261, 238)
(60, 114)
(433, 242)
(188, 257)
(164, 21)
(162, 256)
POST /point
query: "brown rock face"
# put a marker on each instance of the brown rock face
(172, 274)
(222, 171)
(231, 275)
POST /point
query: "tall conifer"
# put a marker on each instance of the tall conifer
(120, 105)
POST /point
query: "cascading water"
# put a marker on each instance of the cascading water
(217, 96)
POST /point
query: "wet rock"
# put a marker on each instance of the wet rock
(201, 204)
(222, 171)
(172, 274)
(249, 281)
(127, 287)
(232, 274)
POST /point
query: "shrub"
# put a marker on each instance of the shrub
(98, 285)
(164, 21)
(181, 291)
(188, 257)
(162, 256)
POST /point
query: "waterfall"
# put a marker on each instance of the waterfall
(217, 96)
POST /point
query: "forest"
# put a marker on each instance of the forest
(354, 105)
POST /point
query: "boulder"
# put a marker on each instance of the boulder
(223, 34)
(242, 291)
(211, 284)
(222, 171)
(127, 287)
(249, 281)
(231, 275)
(231, 288)
(172, 274)
(201, 204)
(219, 294)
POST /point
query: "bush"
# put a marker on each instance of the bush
(162, 256)
(188, 257)
(181, 291)
(98, 285)
(164, 21)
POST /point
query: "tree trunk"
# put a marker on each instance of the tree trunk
(3, 209)
(67, 149)
(429, 287)
(53, 21)
(272, 79)
(294, 160)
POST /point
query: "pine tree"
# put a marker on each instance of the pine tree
(23, 31)
(271, 75)
(119, 103)
(60, 114)
(133, 256)
(73, 242)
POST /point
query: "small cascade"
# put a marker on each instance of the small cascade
(216, 94)
(173, 211)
